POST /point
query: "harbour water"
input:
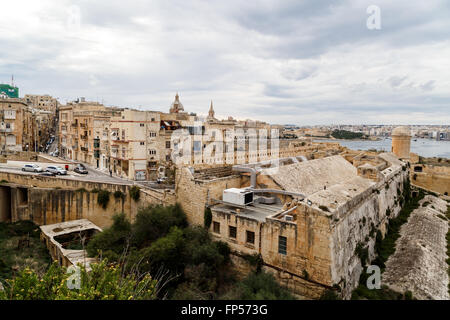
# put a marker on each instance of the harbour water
(422, 147)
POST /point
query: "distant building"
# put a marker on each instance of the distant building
(16, 126)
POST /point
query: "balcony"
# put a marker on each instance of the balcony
(84, 149)
(84, 137)
(74, 125)
(83, 125)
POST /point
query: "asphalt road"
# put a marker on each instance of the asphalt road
(93, 175)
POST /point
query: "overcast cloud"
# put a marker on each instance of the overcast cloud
(303, 62)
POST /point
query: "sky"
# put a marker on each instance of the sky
(308, 62)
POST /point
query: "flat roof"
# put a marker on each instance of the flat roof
(257, 211)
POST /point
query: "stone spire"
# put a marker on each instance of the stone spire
(211, 111)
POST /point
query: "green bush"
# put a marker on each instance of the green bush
(155, 222)
(135, 193)
(112, 241)
(261, 286)
(119, 195)
(103, 282)
(103, 198)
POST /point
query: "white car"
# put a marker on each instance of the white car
(32, 168)
(56, 170)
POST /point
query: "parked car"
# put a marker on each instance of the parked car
(161, 180)
(47, 173)
(32, 168)
(56, 170)
(80, 169)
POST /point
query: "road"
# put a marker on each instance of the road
(93, 175)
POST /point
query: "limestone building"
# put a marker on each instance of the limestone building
(44, 102)
(306, 219)
(16, 126)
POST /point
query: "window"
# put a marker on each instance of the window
(152, 151)
(141, 124)
(152, 134)
(232, 232)
(282, 245)
(142, 143)
(250, 237)
(216, 227)
(168, 144)
(153, 119)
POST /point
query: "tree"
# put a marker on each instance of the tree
(154, 222)
(111, 242)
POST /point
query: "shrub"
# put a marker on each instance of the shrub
(261, 286)
(135, 193)
(102, 283)
(329, 294)
(103, 198)
(119, 195)
(255, 260)
(111, 242)
(154, 222)
(207, 218)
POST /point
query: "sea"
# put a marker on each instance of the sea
(423, 147)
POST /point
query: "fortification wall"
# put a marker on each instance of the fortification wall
(358, 225)
(48, 200)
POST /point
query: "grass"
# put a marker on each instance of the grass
(12, 258)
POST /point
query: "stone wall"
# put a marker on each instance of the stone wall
(48, 200)
(193, 195)
(433, 178)
(359, 225)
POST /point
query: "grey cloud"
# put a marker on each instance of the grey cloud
(396, 81)
(272, 60)
(428, 86)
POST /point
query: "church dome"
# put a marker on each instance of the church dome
(176, 106)
(401, 131)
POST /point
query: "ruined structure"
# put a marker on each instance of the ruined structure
(66, 241)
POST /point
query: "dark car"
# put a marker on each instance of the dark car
(80, 169)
